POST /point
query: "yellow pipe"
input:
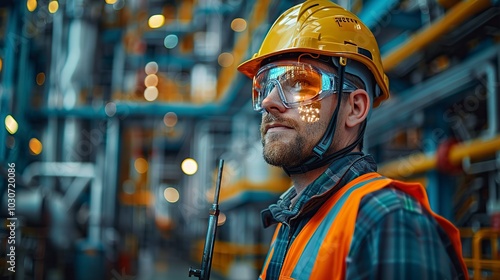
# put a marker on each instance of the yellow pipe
(475, 149)
(456, 15)
(405, 167)
(419, 162)
(227, 74)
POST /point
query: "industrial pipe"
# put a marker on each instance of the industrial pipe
(227, 89)
(456, 15)
(433, 90)
(476, 149)
(492, 95)
(419, 162)
(227, 74)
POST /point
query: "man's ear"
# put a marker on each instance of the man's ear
(358, 109)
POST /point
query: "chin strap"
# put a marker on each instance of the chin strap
(318, 159)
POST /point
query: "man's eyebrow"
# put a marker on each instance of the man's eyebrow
(295, 70)
(286, 73)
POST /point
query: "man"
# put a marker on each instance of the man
(316, 77)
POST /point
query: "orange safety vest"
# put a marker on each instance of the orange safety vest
(334, 224)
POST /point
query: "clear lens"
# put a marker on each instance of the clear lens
(296, 83)
(300, 84)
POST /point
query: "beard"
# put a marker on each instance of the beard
(293, 152)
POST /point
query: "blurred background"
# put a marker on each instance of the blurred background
(115, 112)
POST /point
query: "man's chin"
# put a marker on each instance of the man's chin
(280, 156)
(273, 161)
(270, 162)
(278, 162)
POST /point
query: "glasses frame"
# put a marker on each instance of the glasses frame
(348, 86)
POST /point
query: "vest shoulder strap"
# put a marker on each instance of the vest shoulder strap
(334, 225)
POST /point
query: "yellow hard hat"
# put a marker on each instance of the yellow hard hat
(324, 28)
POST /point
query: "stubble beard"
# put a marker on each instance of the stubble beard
(292, 153)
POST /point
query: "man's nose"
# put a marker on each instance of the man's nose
(273, 102)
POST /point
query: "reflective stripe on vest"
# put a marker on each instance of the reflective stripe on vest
(320, 249)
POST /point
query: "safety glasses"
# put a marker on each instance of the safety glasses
(297, 84)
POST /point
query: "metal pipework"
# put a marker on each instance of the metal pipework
(433, 90)
(420, 162)
(208, 251)
(458, 14)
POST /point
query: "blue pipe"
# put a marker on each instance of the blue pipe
(125, 109)
(129, 109)
(408, 21)
(395, 42)
(374, 11)
(427, 93)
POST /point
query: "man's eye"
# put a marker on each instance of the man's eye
(302, 85)
(298, 85)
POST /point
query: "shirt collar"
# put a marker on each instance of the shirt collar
(338, 174)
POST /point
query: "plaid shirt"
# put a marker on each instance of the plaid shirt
(393, 238)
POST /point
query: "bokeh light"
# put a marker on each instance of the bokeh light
(53, 7)
(35, 146)
(171, 41)
(151, 80)
(171, 195)
(151, 93)
(156, 21)
(11, 124)
(189, 166)
(222, 219)
(110, 109)
(225, 59)
(170, 119)
(31, 5)
(141, 165)
(40, 78)
(238, 25)
(151, 68)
